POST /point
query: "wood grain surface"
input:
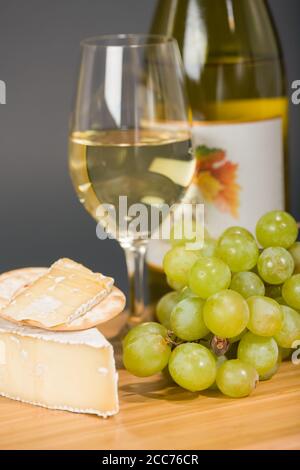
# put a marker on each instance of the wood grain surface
(155, 414)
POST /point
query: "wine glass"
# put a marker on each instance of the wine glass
(130, 140)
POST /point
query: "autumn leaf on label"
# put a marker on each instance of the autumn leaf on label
(228, 197)
(208, 157)
(209, 185)
(216, 178)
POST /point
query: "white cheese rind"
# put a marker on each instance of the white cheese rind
(64, 408)
(91, 337)
(84, 308)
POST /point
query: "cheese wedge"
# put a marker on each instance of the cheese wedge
(72, 371)
(16, 280)
(64, 293)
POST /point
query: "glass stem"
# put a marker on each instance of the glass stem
(135, 253)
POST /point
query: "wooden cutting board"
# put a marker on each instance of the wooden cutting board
(155, 414)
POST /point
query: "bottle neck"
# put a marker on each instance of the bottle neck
(225, 28)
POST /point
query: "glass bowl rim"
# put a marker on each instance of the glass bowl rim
(126, 40)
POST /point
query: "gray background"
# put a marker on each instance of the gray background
(40, 216)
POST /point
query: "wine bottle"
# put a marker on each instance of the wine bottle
(236, 84)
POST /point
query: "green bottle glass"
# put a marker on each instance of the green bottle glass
(236, 84)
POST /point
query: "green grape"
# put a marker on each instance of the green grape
(146, 355)
(247, 284)
(237, 338)
(193, 367)
(208, 338)
(240, 253)
(175, 285)
(236, 230)
(181, 235)
(236, 378)
(275, 265)
(268, 375)
(165, 307)
(262, 353)
(177, 264)
(208, 276)
(209, 248)
(280, 300)
(219, 361)
(291, 291)
(273, 291)
(226, 314)
(187, 319)
(290, 330)
(266, 316)
(145, 329)
(185, 293)
(276, 228)
(295, 252)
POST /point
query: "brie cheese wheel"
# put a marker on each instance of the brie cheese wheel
(72, 371)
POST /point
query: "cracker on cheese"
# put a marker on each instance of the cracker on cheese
(66, 292)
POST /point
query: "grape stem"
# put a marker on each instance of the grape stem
(219, 346)
(173, 340)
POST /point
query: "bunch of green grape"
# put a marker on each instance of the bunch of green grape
(233, 315)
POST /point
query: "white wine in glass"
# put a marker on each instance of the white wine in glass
(130, 137)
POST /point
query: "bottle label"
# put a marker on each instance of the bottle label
(239, 175)
(240, 171)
